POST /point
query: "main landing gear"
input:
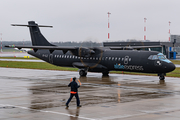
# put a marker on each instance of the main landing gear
(161, 76)
(105, 73)
(82, 72)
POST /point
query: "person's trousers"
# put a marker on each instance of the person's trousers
(77, 98)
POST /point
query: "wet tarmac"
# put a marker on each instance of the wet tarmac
(41, 95)
(14, 54)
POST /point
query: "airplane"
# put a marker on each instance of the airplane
(96, 59)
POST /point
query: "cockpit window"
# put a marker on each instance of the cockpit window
(150, 57)
(161, 57)
(154, 57)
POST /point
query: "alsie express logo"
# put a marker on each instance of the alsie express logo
(128, 67)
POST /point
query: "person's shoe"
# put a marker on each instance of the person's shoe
(79, 106)
(67, 106)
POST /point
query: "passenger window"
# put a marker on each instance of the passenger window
(112, 58)
(119, 59)
(60, 56)
(109, 58)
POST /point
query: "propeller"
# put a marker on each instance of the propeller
(90, 57)
(85, 52)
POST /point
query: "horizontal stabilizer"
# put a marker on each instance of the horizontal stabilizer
(31, 25)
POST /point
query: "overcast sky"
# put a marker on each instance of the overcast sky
(83, 20)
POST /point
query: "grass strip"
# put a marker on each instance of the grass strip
(34, 65)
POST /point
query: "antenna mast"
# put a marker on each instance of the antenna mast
(108, 24)
(169, 30)
(145, 28)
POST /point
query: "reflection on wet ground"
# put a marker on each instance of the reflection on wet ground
(29, 93)
(95, 91)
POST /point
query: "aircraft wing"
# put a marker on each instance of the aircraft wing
(78, 51)
(50, 48)
(133, 47)
(42, 47)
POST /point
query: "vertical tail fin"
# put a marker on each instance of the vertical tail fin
(36, 37)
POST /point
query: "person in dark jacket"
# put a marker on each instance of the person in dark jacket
(74, 92)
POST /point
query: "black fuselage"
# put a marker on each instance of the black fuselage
(109, 60)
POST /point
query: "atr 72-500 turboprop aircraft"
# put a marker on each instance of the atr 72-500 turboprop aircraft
(96, 59)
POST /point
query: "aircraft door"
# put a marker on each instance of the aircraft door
(126, 59)
(51, 58)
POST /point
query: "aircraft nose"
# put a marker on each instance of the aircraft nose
(171, 67)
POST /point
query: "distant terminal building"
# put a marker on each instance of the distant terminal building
(175, 38)
(166, 47)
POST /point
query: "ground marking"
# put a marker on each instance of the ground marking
(26, 108)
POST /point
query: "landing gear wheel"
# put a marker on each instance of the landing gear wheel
(161, 77)
(105, 73)
(82, 73)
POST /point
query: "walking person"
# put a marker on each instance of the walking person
(74, 91)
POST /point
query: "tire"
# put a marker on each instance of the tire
(161, 77)
(82, 73)
(105, 73)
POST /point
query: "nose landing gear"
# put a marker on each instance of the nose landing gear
(161, 76)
